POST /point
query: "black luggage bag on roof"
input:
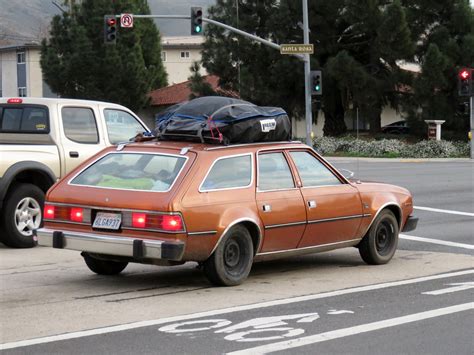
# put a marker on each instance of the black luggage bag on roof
(223, 120)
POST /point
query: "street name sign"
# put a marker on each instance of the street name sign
(297, 49)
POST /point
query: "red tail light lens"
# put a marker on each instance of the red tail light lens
(14, 101)
(49, 212)
(138, 220)
(76, 214)
(172, 223)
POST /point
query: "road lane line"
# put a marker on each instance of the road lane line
(358, 329)
(436, 241)
(459, 286)
(443, 211)
(141, 324)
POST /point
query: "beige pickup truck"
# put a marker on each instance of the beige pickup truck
(40, 141)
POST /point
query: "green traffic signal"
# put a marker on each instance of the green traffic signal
(197, 29)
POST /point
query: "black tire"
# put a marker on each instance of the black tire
(231, 262)
(104, 267)
(381, 241)
(22, 213)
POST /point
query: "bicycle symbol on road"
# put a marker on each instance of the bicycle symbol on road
(256, 329)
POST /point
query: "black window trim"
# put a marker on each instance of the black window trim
(22, 106)
(95, 121)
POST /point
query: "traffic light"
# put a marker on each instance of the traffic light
(465, 84)
(316, 81)
(110, 29)
(196, 21)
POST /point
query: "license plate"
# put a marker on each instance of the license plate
(106, 220)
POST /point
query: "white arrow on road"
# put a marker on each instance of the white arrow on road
(461, 286)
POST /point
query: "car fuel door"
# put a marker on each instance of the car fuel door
(279, 202)
(333, 207)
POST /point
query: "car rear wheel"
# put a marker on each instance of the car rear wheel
(104, 267)
(231, 262)
(381, 241)
(22, 214)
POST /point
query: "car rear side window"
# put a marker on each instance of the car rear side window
(80, 125)
(121, 126)
(229, 173)
(24, 119)
(312, 172)
(132, 171)
(274, 172)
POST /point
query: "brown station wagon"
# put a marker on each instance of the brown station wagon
(167, 203)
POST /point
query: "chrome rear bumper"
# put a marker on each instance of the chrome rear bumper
(111, 245)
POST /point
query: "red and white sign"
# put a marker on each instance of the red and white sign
(126, 20)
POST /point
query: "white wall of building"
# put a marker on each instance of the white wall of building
(9, 73)
(178, 53)
(34, 75)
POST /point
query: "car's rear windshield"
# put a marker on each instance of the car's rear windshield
(24, 119)
(132, 171)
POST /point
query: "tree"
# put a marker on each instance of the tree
(358, 45)
(445, 43)
(77, 64)
(198, 86)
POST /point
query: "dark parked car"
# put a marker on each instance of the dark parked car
(399, 127)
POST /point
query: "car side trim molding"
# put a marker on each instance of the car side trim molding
(271, 226)
(202, 233)
(338, 218)
(306, 250)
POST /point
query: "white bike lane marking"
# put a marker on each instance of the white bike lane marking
(363, 328)
(436, 241)
(456, 287)
(141, 324)
(460, 213)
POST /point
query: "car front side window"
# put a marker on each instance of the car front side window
(312, 172)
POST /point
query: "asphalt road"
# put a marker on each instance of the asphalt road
(329, 303)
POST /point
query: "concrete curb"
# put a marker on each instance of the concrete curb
(400, 160)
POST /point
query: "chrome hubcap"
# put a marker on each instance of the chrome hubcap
(27, 216)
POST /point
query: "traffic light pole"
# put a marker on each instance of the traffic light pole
(472, 126)
(307, 70)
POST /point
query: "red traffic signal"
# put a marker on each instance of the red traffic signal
(110, 29)
(464, 74)
(465, 82)
(111, 22)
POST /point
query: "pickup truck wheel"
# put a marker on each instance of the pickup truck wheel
(104, 267)
(380, 242)
(231, 262)
(22, 215)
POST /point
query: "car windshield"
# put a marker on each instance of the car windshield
(132, 171)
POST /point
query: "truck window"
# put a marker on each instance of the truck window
(121, 126)
(24, 119)
(79, 125)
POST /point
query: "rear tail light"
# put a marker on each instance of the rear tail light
(49, 212)
(155, 221)
(14, 101)
(172, 223)
(139, 220)
(76, 214)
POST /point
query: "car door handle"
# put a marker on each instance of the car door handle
(312, 204)
(74, 154)
(267, 208)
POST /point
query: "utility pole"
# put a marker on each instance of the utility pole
(307, 70)
(472, 125)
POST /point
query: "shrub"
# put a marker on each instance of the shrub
(390, 148)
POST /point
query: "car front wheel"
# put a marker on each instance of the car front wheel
(231, 262)
(381, 241)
